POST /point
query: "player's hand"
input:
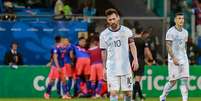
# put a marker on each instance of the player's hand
(17, 59)
(175, 61)
(104, 74)
(48, 64)
(135, 65)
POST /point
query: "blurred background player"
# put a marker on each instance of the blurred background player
(82, 64)
(114, 42)
(68, 59)
(178, 65)
(57, 68)
(96, 76)
(68, 56)
(142, 52)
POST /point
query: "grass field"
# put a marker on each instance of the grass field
(55, 99)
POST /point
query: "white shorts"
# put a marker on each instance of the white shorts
(122, 82)
(177, 72)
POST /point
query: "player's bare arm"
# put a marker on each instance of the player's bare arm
(104, 57)
(169, 49)
(134, 54)
(72, 57)
(56, 61)
(148, 56)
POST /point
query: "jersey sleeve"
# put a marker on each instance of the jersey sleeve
(146, 44)
(186, 36)
(130, 33)
(169, 36)
(54, 50)
(102, 44)
(71, 48)
(130, 36)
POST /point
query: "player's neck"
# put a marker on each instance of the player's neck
(138, 35)
(179, 28)
(115, 29)
(92, 46)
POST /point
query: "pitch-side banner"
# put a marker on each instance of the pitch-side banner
(31, 82)
(36, 38)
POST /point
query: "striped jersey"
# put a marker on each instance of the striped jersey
(116, 45)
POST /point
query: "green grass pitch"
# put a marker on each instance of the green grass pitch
(85, 99)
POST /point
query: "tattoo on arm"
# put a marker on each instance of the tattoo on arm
(104, 57)
(130, 40)
(133, 50)
(169, 48)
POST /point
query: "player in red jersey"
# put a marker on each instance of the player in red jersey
(96, 74)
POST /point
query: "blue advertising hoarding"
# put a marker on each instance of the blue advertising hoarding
(36, 38)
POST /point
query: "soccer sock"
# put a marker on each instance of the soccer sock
(113, 98)
(167, 89)
(78, 81)
(59, 87)
(64, 87)
(184, 89)
(88, 83)
(99, 87)
(134, 91)
(49, 88)
(137, 84)
(127, 98)
(93, 87)
(69, 84)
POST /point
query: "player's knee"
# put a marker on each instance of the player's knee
(184, 81)
(127, 93)
(52, 81)
(113, 93)
(173, 82)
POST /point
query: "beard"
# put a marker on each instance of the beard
(114, 26)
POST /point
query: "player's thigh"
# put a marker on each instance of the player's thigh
(113, 82)
(198, 28)
(126, 82)
(99, 71)
(140, 71)
(79, 66)
(173, 71)
(87, 67)
(69, 71)
(93, 72)
(54, 74)
(185, 70)
(62, 74)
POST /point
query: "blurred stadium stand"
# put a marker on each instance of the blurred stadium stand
(33, 14)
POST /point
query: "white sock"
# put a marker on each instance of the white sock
(127, 98)
(167, 89)
(184, 89)
(113, 98)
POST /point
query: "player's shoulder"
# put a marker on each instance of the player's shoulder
(105, 32)
(171, 29)
(185, 31)
(124, 28)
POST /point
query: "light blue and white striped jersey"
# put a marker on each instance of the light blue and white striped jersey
(117, 47)
(179, 39)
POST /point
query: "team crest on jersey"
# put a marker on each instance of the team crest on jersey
(55, 51)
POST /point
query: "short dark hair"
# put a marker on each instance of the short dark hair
(138, 30)
(57, 38)
(111, 11)
(179, 14)
(94, 39)
(13, 43)
(81, 38)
